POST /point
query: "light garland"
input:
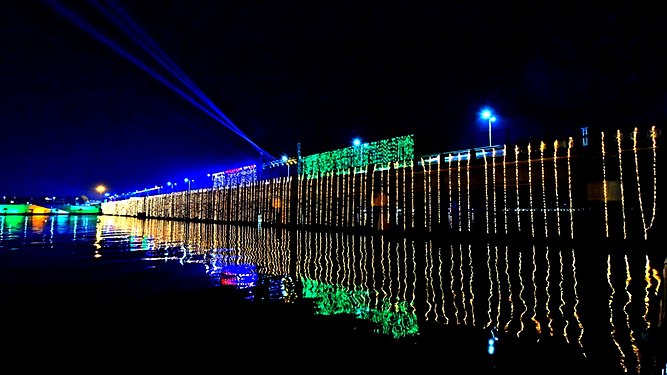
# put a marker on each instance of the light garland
(505, 187)
(620, 178)
(604, 187)
(556, 187)
(530, 192)
(486, 193)
(516, 183)
(543, 146)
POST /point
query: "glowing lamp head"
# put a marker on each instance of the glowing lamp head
(186, 180)
(100, 189)
(356, 142)
(486, 114)
(284, 158)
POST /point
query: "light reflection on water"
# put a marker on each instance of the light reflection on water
(602, 304)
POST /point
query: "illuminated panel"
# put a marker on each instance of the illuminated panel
(399, 149)
(234, 177)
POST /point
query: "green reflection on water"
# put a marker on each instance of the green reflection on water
(393, 318)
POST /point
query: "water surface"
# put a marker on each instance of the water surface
(156, 287)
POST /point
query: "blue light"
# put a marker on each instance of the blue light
(487, 114)
(284, 158)
(491, 349)
(356, 142)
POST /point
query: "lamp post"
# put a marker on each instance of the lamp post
(487, 114)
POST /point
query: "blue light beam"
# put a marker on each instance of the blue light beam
(73, 17)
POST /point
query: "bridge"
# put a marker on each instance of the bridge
(576, 188)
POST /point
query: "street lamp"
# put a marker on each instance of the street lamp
(487, 114)
(101, 189)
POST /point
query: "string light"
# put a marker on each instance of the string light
(458, 187)
(428, 277)
(620, 178)
(604, 187)
(543, 146)
(398, 149)
(556, 187)
(469, 208)
(569, 186)
(451, 283)
(330, 199)
(538, 326)
(493, 187)
(530, 192)
(385, 200)
(505, 187)
(516, 183)
(426, 221)
(486, 194)
(653, 135)
(510, 298)
(450, 211)
(633, 340)
(438, 191)
(611, 315)
(462, 292)
(404, 198)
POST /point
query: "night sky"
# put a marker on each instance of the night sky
(79, 105)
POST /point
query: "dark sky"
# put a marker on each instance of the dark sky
(75, 112)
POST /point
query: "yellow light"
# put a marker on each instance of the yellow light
(604, 187)
(100, 189)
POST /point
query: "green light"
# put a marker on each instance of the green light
(393, 318)
(395, 150)
(14, 209)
